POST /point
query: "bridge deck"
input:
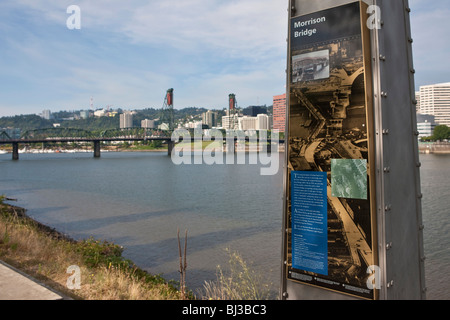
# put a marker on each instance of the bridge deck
(96, 141)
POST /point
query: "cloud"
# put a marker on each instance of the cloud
(232, 28)
(130, 52)
(429, 27)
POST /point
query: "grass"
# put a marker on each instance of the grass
(47, 255)
(241, 282)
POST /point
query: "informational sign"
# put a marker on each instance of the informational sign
(331, 220)
(309, 221)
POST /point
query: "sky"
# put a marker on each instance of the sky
(128, 53)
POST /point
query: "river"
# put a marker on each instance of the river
(139, 200)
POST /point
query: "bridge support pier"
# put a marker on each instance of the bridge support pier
(97, 149)
(15, 151)
(170, 146)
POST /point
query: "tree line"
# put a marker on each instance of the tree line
(441, 132)
(62, 118)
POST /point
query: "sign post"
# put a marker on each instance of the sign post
(352, 209)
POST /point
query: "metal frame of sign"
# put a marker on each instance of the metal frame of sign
(399, 204)
(337, 239)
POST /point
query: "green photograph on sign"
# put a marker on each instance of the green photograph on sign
(349, 178)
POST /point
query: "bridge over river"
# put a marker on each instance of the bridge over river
(64, 135)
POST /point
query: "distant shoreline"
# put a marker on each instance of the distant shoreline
(434, 148)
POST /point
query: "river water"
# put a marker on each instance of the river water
(139, 200)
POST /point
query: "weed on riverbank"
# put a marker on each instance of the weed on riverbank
(240, 282)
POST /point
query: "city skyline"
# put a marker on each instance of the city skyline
(128, 54)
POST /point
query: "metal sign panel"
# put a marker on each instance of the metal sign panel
(330, 204)
(401, 253)
(336, 238)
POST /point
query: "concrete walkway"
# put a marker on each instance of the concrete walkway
(14, 285)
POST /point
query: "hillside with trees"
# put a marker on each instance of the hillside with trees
(66, 119)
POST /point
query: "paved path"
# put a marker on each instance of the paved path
(14, 285)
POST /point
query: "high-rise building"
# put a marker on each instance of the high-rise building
(262, 122)
(418, 101)
(230, 122)
(435, 100)
(253, 111)
(126, 120)
(148, 124)
(247, 123)
(279, 113)
(46, 114)
(84, 114)
(210, 118)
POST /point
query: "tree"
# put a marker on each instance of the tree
(441, 132)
